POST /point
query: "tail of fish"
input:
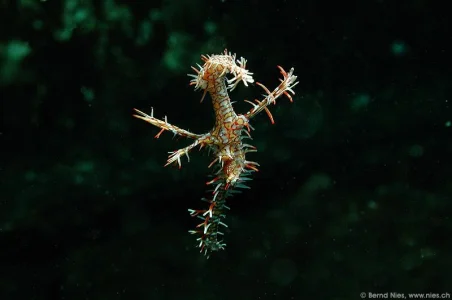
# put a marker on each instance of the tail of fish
(209, 231)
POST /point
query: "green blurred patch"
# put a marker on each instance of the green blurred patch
(12, 55)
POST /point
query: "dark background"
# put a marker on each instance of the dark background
(354, 190)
